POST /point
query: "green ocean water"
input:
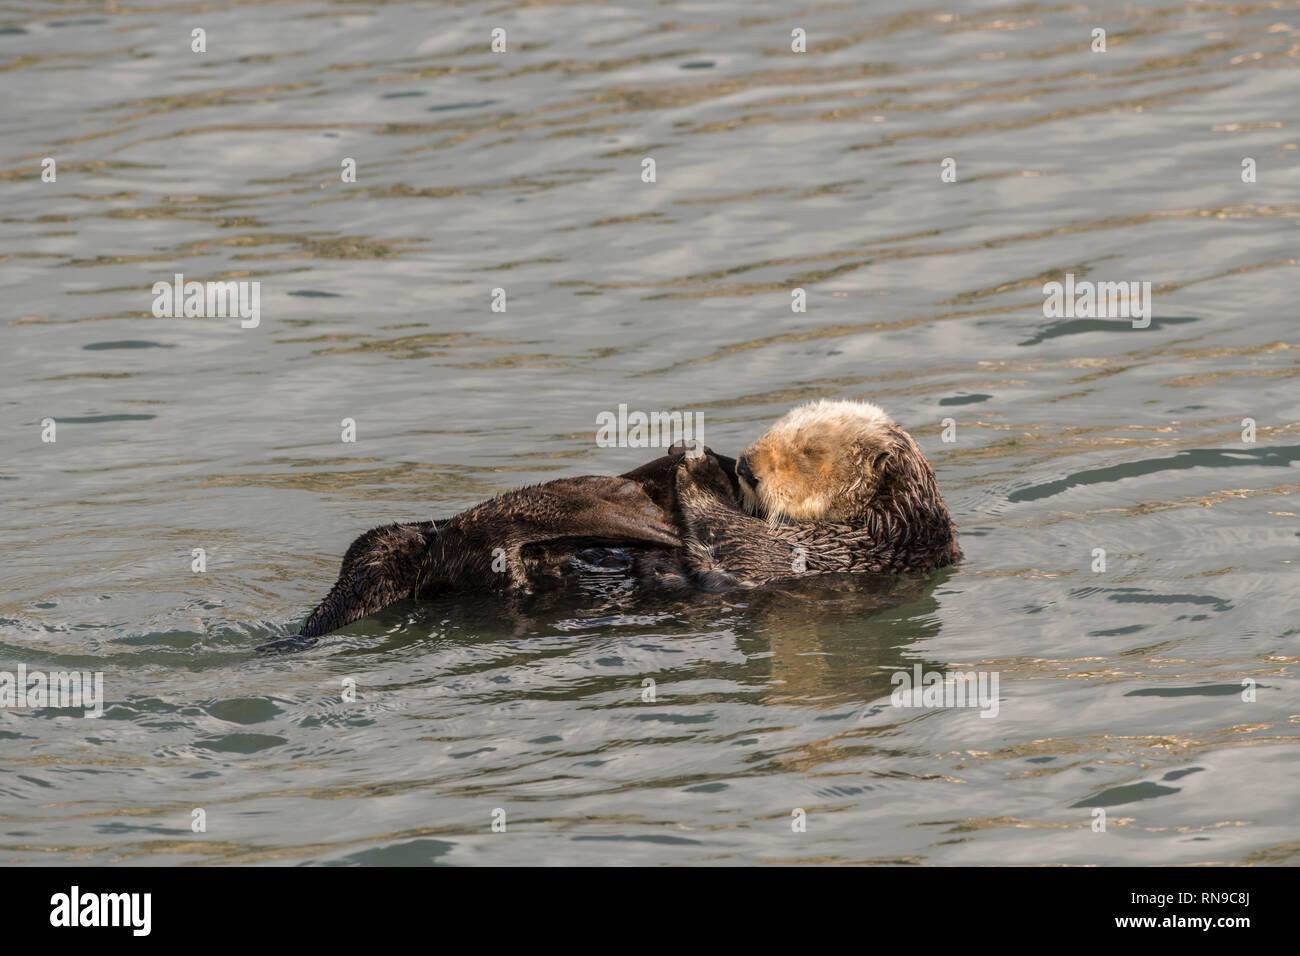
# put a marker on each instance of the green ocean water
(1119, 689)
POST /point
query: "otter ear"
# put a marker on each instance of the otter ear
(877, 459)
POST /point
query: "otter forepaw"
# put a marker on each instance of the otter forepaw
(688, 448)
(702, 474)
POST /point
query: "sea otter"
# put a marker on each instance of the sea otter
(834, 486)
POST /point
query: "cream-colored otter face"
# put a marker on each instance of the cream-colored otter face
(821, 462)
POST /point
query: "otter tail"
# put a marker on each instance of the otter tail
(380, 568)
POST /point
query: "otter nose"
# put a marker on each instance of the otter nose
(745, 471)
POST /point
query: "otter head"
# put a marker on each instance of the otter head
(830, 461)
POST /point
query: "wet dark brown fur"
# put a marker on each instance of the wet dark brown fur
(514, 541)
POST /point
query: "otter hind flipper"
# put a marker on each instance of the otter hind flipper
(599, 508)
(619, 510)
